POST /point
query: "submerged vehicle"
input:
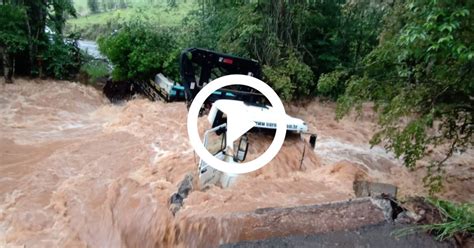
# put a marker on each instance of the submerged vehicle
(263, 115)
(217, 147)
(209, 65)
(198, 67)
(215, 138)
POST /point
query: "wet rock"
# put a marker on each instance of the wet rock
(386, 207)
(176, 200)
(415, 217)
(422, 211)
(186, 186)
(403, 218)
(407, 217)
(174, 208)
(365, 189)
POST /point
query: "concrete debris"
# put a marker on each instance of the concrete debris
(380, 235)
(280, 222)
(407, 217)
(174, 208)
(385, 206)
(177, 199)
(365, 189)
(186, 185)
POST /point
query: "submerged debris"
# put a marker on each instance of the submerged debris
(365, 188)
(185, 186)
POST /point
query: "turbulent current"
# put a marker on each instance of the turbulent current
(77, 171)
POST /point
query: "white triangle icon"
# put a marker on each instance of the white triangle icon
(236, 127)
(237, 124)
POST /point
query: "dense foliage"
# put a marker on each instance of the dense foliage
(94, 70)
(31, 39)
(420, 77)
(454, 219)
(355, 37)
(93, 5)
(296, 41)
(13, 36)
(61, 57)
(138, 51)
(86, 7)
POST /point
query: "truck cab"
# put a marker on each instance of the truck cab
(215, 142)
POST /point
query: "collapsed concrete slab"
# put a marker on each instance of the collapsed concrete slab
(380, 235)
(275, 222)
(365, 189)
(268, 223)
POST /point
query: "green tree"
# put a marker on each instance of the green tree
(420, 79)
(93, 5)
(172, 3)
(57, 11)
(319, 35)
(269, 31)
(111, 4)
(104, 5)
(350, 38)
(138, 51)
(291, 77)
(40, 24)
(13, 37)
(62, 59)
(122, 4)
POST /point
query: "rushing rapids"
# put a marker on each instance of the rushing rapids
(79, 171)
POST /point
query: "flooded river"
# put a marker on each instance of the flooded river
(77, 171)
(90, 47)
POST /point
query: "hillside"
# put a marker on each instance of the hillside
(92, 26)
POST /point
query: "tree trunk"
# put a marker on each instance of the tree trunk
(7, 67)
(30, 44)
(13, 67)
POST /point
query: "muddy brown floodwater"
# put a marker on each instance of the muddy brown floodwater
(77, 171)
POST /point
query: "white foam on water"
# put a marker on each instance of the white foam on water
(333, 150)
(158, 152)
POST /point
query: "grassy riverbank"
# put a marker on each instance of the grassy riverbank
(92, 26)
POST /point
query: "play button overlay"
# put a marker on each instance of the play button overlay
(237, 124)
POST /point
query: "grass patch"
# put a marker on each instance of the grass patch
(81, 6)
(95, 69)
(83, 9)
(456, 219)
(92, 26)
